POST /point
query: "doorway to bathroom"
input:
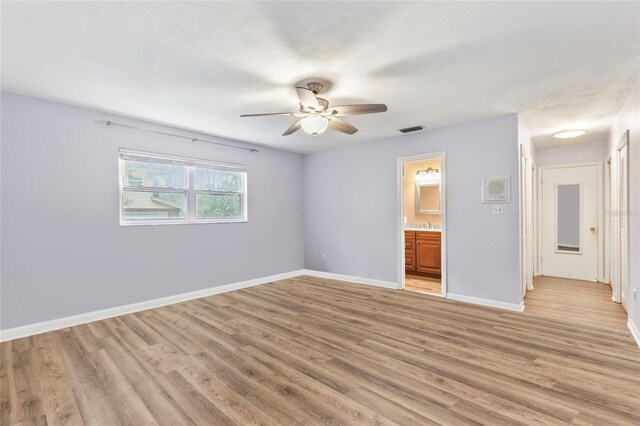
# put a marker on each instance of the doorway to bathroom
(422, 224)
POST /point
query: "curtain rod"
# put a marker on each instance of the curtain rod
(112, 123)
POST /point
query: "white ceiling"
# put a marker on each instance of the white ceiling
(200, 65)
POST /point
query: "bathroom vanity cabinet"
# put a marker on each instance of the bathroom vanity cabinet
(422, 252)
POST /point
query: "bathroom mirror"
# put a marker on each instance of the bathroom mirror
(427, 198)
(568, 218)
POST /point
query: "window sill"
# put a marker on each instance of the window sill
(183, 222)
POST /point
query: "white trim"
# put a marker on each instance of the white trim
(487, 302)
(528, 221)
(60, 323)
(394, 286)
(606, 228)
(634, 332)
(57, 324)
(534, 222)
(522, 163)
(600, 220)
(443, 218)
(349, 278)
(538, 207)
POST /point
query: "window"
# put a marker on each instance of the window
(161, 189)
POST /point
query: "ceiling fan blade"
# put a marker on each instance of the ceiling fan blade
(268, 113)
(294, 128)
(342, 126)
(307, 98)
(358, 109)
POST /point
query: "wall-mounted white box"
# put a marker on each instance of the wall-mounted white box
(496, 189)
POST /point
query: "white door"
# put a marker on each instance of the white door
(623, 182)
(570, 222)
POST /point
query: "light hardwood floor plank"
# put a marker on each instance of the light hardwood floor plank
(309, 350)
(422, 284)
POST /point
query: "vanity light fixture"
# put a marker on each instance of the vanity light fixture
(569, 134)
(428, 175)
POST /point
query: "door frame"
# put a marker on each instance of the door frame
(524, 231)
(527, 222)
(535, 215)
(608, 206)
(600, 202)
(443, 215)
(622, 144)
(538, 208)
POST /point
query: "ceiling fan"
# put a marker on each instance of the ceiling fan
(315, 115)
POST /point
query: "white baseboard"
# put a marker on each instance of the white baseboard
(394, 286)
(350, 278)
(634, 332)
(57, 324)
(486, 302)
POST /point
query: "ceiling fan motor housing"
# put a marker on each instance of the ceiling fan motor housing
(315, 87)
(324, 105)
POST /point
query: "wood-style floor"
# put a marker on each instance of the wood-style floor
(581, 301)
(313, 351)
(422, 284)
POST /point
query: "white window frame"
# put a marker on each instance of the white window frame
(191, 164)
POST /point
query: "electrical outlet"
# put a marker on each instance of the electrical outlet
(324, 257)
(497, 209)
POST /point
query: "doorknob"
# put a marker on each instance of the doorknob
(593, 229)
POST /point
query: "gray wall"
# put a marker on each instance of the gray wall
(351, 206)
(63, 252)
(573, 153)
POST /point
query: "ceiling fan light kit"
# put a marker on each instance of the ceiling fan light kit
(315, 115)
(314, 124)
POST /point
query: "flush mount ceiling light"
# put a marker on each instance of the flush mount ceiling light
(314, 124)
(314, 114)
(569, 134)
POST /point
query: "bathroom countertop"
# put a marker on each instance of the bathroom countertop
(423, 229)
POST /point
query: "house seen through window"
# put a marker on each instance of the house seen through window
(163, 189)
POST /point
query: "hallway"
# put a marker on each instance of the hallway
(576, 301)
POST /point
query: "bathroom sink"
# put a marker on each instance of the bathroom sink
(418, 227)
